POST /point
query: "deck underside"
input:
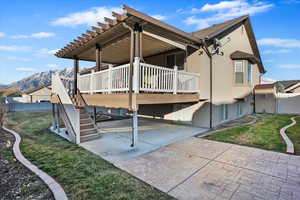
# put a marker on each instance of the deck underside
(122, 100)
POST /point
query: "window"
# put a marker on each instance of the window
(224, 112)
(239, 109)
(250, 73)
(176, 59)
(239, 72)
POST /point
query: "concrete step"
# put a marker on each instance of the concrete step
(89, 137)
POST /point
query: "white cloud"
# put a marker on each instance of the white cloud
(45, 52)
(159, 17)
(266, 80)
(35, 35)
(25, 69)
(290, 66)
(2, 34)
(226, 10)
(14, 48)
(89, 17)
(278, 51)
(52, 65)
(278, 42)
(18, 58)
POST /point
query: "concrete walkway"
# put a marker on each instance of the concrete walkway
(289, 143)
(114, 145)
(196, 168)
(56, 189)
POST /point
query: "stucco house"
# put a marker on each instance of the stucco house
(155, 70)
(37, 94)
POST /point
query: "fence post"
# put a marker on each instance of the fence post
(175, 80)
(92, 82)
(136, 74)
(109, 79)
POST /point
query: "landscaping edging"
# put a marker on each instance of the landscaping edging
(289, 143)
(57, 190)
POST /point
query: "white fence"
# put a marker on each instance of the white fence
(151, 78)
(288, 103)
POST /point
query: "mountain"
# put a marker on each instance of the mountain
(38, 79)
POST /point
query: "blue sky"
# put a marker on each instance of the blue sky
(32, 30)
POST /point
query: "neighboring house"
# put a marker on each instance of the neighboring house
(281, 97)
(36, 95)
(289, 86)
(155, 70)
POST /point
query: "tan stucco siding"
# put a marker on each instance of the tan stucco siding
(224, 89)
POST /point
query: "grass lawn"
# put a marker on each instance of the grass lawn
(82, 174)
(263, 134)
(294, 134)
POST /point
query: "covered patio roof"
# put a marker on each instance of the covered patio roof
(114, 38)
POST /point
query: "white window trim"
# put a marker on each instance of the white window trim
(242, 70)
(224, 107)
(239, 109)
(250, 78)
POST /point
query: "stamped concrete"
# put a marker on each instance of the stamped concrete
(196, 168)
(114, 145)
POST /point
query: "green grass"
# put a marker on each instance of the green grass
(82, 174)
(294, 134)
(263, 134)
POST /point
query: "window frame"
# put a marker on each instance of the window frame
(239, 109)
(224, 112)
(250, 75)
(236, 71)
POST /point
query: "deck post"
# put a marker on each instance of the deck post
(53, 117)
(57, 118)
(134, 129)
(175, 80)
(92, 82)
(136, 72)
(109, 79)
(98, 57)
(76, 69)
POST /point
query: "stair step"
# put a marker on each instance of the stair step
(86, 126)
(89, 137)
(85, 121)
(88, 131)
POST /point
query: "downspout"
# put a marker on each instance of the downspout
(210, 81)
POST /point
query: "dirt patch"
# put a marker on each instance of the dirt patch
(17, 182)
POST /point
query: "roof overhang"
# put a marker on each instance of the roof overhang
(240, 55)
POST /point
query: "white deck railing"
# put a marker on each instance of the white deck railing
(151, 78)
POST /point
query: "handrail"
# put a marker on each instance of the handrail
(69, 121)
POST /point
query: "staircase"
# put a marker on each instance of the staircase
(76, 118)
(88, 129)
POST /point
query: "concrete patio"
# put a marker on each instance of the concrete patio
(196, 168)
(114, 144)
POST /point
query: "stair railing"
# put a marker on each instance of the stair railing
(67, 122)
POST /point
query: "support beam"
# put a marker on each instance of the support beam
(134, 129)
(76, 70)
(57, 119)
(98, 57)
(53, 117)
(176, 44)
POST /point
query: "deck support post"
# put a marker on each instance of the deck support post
(76, 69)
(95, 114)
(175, 79)
(136, 72)
(53, 117)
(57, 118)
(134, 129)
(98, 57)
